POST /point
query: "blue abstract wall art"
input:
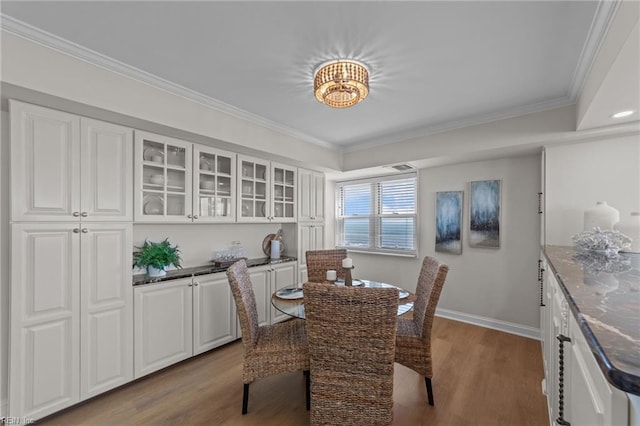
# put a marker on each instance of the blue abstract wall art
(484, 217)
(449, 222)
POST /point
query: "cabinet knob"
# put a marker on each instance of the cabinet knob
(85, 230)
(76, 230)
(190, 285)
(76, 214)
(84, 214)
(195, 216)
(190, 216)
(196, 284)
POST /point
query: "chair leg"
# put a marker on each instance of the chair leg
(245, 398)
(308, 386)
(429, 390)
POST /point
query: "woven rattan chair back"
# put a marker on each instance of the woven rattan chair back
(245, 299)
(268, 349)
(351, 333)
(321, 261)
(413, 340)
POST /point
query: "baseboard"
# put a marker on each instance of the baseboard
(507, 327)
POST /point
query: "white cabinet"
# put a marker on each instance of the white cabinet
(71, 314)
(68, 168)
(282, 275)
(163, 325)
(266, 191)
(310, 237)
(310, 196)
(177, 319)
(577, 391)
(178, 181)
(260, 278)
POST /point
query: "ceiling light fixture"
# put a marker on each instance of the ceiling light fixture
(622, 114)
(342, 83)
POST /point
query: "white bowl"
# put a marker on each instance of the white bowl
(157, 179)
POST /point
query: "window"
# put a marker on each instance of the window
(378, 214)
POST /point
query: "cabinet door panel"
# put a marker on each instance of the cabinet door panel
(318, 194)
(45, 166)
(163, 325)
(214, 313)
(214, 185)
(107, 171)
(106, 308)
(44, 332)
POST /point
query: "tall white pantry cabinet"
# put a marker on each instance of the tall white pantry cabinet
(71, 334)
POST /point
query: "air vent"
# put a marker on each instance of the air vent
(402, 167)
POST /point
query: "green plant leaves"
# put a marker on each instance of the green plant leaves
(158, 255)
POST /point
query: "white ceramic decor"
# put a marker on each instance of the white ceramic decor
(602, 216)
(631, 228)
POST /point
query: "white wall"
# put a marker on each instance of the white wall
(578, 175)
(494, 287)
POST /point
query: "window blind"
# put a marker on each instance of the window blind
(378, 214)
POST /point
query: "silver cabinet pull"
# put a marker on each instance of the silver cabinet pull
(76, 230)
(76, 214)
(195, 216)
(84, 214)
(85, 230)
(190, 216)
(196, 284)
(190, 285)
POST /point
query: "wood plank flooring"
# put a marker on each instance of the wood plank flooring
(481, 377)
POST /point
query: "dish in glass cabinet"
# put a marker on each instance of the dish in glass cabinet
(154, 155)
(153, 205)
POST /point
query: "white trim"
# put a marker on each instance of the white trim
(494, 324)
(31, 33)
(4, 404)
(602, 20)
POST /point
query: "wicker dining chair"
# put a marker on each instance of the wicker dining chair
(413, 340)
(351, 334)
(321, 261)
(268, 349)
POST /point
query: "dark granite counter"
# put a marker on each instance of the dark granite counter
(604, 297)
(205, 269)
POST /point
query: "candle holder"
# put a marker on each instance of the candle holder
(348, 280)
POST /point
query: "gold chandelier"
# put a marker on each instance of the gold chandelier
(342, 83)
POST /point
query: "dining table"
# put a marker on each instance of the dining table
(290, 300)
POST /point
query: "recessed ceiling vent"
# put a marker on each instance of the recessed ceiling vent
(402, 167)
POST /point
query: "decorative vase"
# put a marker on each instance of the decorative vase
(155, 272)
(602, 216)
(631, 228)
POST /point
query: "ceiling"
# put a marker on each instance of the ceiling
(433, 66)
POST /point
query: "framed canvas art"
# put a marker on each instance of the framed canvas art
(449, 222)
(484, 214)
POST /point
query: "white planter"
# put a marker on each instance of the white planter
(631, 228)
(155, 272)
(602, 216)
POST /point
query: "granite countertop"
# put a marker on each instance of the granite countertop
(604, 297)
(205, 269)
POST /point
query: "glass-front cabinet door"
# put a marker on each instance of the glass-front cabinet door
(163, 178)
(253, 190)
(214, 185)
(283, 203)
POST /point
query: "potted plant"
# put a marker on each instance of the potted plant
(155, 257)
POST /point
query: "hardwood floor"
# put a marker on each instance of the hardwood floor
(481, 377)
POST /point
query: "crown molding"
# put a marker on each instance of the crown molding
(605, 12)
(44, 38)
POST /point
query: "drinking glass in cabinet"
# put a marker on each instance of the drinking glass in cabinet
(153, 204)
(176, 156)
(247, 169)
(223, 207)
(207, 206)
